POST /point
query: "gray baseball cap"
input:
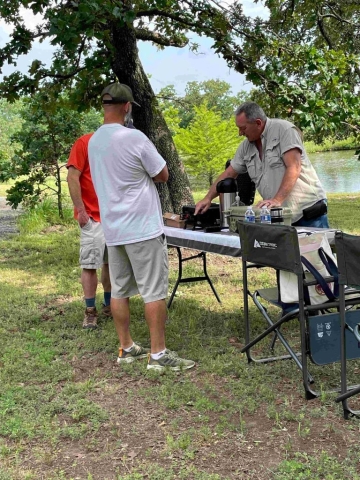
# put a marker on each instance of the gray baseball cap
(119, 93)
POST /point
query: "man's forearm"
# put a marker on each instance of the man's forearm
(290, 177)
(75, 194)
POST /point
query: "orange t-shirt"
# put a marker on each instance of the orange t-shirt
(79, 159)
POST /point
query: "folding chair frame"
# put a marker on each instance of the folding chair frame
(258, 259)
(346, 255)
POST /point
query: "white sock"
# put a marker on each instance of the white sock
(158, 355)
(128, 349)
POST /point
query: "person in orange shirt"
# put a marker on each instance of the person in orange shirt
(93, 250)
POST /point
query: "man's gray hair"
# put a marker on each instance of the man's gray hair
(252, 111)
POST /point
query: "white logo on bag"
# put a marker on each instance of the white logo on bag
(258, 244)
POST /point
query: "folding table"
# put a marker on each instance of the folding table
(222, 243)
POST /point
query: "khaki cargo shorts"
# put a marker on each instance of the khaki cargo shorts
(93, 250)
(140, 267)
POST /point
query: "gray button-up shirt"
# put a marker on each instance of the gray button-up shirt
(278, 137)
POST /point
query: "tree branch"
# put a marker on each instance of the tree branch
(336, 15)
(46, 73)
(354, 127)
(147, 35)
(172, 16)
(320, 24)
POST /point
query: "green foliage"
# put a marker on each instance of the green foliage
(10, 122)
(215, 93)
(307, 66)
(90, 34)
(331, 144)
(44, 214)
(207, 143)
(303, 60)
(306, 467)
(49, 128)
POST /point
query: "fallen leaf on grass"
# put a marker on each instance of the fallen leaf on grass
(233, 340)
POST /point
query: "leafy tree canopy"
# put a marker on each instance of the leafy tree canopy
(87, 34)
(304, 58)
(42, 145)
(207, 143)
(10, 122)
(216, 94)
(308, 62)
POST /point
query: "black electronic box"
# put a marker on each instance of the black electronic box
(211, 218)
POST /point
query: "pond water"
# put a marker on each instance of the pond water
(339, 172)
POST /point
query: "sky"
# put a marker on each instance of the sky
(172, 66)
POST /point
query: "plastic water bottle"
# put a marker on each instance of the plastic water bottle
(250, 215)
(265, 216)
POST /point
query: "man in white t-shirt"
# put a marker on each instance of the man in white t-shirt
(124, 167)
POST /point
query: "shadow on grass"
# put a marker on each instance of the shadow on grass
(60, 385)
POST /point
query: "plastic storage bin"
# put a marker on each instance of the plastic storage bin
(238, 213)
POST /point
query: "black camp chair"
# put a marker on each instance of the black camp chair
(348, 257)
(277, 246)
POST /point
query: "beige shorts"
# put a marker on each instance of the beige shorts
(140, 267)
(93, 250)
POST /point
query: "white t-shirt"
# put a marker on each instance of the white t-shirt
(122, 163)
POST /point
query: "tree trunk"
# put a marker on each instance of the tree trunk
(128, 69)
(59, 191)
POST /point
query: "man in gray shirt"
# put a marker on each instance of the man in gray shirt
(274, 156)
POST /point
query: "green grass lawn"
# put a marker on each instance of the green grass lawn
(68, 411)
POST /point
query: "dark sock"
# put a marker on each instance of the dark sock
(90, 302)
(107, 296)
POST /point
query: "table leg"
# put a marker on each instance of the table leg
(179, 279)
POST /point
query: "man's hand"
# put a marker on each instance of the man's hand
(271, 202)
(83, 218)
(202, 206)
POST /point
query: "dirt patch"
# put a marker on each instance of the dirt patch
(8, 218)
(141, 432)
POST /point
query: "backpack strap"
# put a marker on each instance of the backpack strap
(331, 267)
(318, 277)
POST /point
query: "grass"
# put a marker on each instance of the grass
(67, 411)
(350, 143)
